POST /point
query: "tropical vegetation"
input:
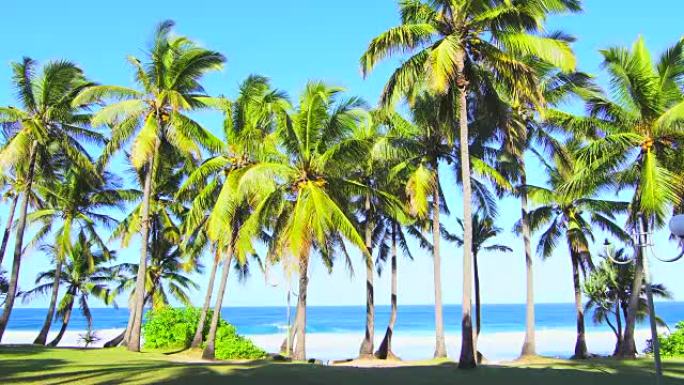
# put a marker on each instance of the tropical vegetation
(326, 177)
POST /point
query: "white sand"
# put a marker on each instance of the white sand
(330, 346)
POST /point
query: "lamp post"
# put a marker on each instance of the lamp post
(644, 240)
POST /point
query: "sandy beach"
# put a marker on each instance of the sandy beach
(496, 347)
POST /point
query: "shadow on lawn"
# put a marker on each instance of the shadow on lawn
(582, 373)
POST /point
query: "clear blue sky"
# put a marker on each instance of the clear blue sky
(292, 42)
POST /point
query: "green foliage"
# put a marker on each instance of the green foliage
(169, 327)
(673, 344)
(173, 328)
(230, 345)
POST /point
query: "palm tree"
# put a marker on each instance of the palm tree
(608, 289)
(48, 124)
(169, 87)
(165, 215)
(249, 131)
(75, 204)
(572, 217)
(633, 132)
(453, 43)
(305, 194)
(484, 230)
(83, 275)
(375, 204)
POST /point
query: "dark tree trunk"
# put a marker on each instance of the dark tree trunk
(629, 344)
(385, 349)
(133, 340)
(18, 244)
(209, 351)
(440, 344)
(467, 357)
(8, 227)
(300, 318)
(581, 342)
(42, 335)
(529, 345)
(199, 333)
(366, 349)
(65, 323)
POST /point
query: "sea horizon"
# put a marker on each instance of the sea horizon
(334, 332)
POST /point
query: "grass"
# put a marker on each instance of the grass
(38, 365)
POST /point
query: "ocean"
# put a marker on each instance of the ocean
(336, 331)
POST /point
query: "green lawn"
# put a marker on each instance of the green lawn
(27, 365)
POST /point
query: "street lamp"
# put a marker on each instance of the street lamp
(644, 240)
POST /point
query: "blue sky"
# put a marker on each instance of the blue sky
(292, 42)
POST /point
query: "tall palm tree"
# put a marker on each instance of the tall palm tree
(306, 201)
(74, 205)
(572, 218)
(169, 87)
(249, 131)
(636, 131)
(83, 275)
(47, 124)
(608, 289)
(453, 42)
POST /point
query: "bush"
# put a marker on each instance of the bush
(232, 346)
(169, 327)
(174, 328)
(673, 344)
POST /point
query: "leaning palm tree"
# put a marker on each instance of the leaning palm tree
(634, 132)
(305, 195)
(76, 204)
(572, 218)
(169, 87)
(83, 275)
(219, 208)
(453, 42)
(48, 124)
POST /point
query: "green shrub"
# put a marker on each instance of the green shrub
(673, 345)
(170, 327)
(174, 328)
(232, 346)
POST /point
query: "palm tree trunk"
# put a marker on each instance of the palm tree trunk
(467, 357)
(8, 227)
(385, 350)
(209, 351)
(440, 344)
(366, 349)
(287, 347)
(139, 303)
(478, 306)
(65, 323)
(581, 342)
(42, 335)
(618, 322)
(18, 243)
(529, 345)
(629, 344)
(300, 318)
(199, 333)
